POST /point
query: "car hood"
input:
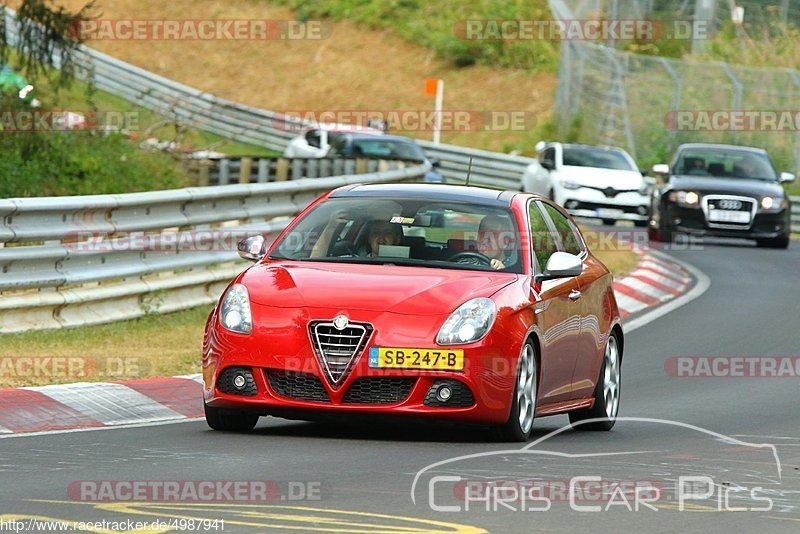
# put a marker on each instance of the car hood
(602, 178)
(733, 186)
(395, 289)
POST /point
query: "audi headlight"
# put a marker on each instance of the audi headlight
(773, 203)
(570, 185)
(235, 311)
(469, 323)
(685, 198)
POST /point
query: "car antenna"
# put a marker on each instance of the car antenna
(469, 170)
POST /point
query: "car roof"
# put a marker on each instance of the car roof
(337, 127)
(434, 192)
(360, 135)
(593, 147)
(721, 146)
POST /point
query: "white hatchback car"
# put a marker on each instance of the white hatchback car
(590, 181)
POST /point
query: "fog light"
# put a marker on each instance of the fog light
(239, 381)
(444, 393)
(642, 210)
(571, 204)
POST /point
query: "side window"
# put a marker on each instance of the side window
(567, 237)
(542, 238)
(312, 138)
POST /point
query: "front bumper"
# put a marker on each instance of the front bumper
(289, 380)
(595, 205)
(765, 225)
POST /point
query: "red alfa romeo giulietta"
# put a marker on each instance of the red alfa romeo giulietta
(430, 301)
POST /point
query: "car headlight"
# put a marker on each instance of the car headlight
(235, 311)
(570, 185)
(773, 203)
(469, 323)
(685, 198)
(644, 189)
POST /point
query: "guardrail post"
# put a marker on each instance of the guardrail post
(224, 171)
(263, 170)
(282, 170)
(361, 166)
(297, 169)
(244, 171)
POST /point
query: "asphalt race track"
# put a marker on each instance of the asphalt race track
(360, 477)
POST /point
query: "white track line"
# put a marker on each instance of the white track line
(98, 428)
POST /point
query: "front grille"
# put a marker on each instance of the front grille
(461, 396)
(729, 211)
(379, 390)
(225, 382)
(581, 205)
(337, 349)
(299, 386)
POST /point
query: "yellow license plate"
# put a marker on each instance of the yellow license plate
(408, 358)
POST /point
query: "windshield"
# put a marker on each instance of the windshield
(724, 163)
(602, 158)
(412, 232)
(388, 149)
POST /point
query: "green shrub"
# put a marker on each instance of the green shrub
(80, 163)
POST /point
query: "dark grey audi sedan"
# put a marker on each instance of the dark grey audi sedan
(721, 190)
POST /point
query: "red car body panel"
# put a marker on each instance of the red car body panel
(406, 307)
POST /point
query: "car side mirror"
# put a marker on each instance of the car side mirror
(540, 146)
(660, 168)
(548, 164)
(251, 248)
(788, 177)
(561, 265)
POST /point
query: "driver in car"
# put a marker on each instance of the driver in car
(379, 232)
(496, 241)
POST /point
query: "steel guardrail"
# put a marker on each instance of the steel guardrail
(68, 261)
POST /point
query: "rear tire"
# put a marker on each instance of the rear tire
(778, 242)
(606, 392)
(523, 405)
(229, 421)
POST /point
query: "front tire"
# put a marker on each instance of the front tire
(609, 222)
(229, 421)
(523, 405)
(660, 234)
(606, 392)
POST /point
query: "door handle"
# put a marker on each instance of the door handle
(574, 295)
